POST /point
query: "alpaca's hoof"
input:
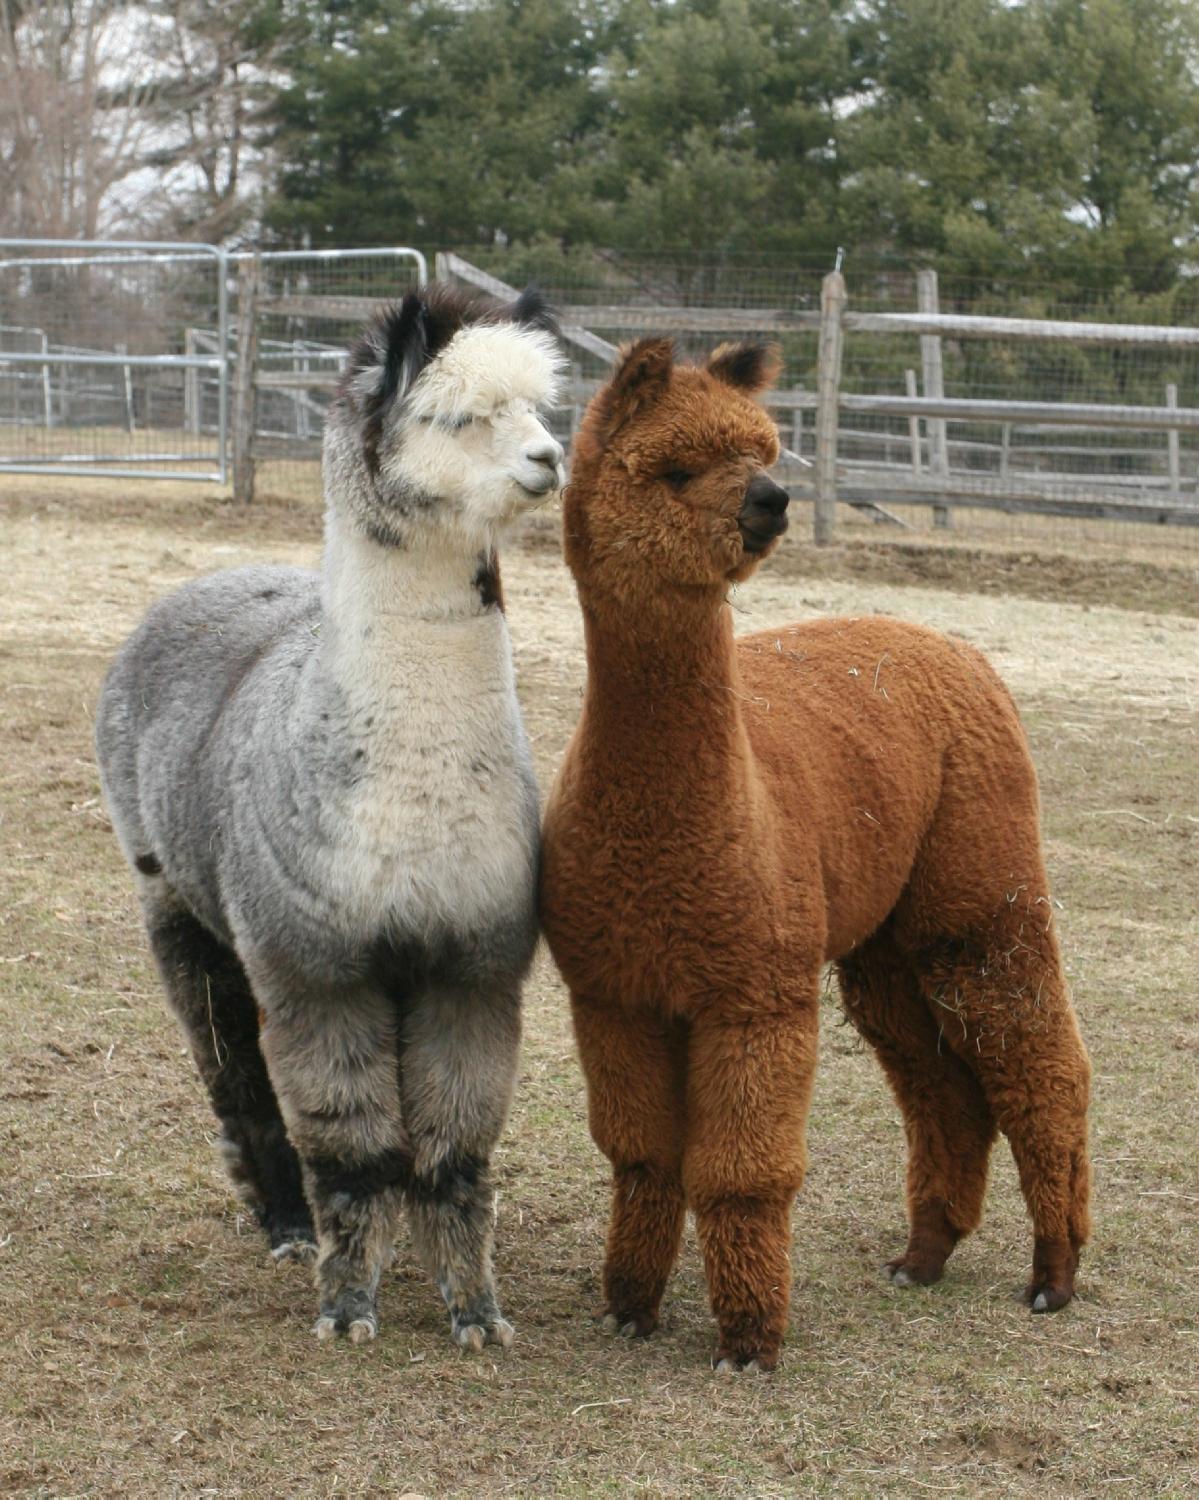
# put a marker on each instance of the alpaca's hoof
(746, 1351)
(474, 1337)
(726, 1363)
(1054, 1263)
(1046, 1299)
(360, 1331)
(361, 1328)
(905, 1272)
(612, 1325)
(300, 1249)
(637, 1326)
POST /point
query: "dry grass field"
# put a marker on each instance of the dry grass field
(149, 1346)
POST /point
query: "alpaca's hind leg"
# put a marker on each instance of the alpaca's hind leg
(749, 1081)
(949, 1125)
(458, 1068)
(1007, 1013)
(635, 1065)
(332, 1059)
(209, 992)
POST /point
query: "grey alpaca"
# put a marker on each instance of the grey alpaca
(323, 785)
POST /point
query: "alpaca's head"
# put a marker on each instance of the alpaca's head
(438, 430)
(669, 481)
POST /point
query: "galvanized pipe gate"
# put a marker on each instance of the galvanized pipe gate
(20, 276)
(101, 354)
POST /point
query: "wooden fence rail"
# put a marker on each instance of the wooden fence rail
(924, 464)
(1064, 413)
(940, 486)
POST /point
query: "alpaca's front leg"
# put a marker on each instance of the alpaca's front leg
(635, 1065)
(460, 1049)
(332, 1059)
(748, 1085)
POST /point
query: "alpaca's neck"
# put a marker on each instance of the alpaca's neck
(661, 683)
(385, 609)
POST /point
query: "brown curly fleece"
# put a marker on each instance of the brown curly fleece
(729, 818)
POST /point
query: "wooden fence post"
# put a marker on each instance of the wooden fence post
(1173, 466)
(242, 415)
(909, 385)
(828, 383)
(928, 301)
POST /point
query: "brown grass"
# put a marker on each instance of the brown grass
(151, 1349)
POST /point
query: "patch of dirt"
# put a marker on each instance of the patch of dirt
(176, 510)
(151, 1347)
(1026, 1451)
(1055, 577)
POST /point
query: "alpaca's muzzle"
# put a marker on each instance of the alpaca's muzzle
(763, 514)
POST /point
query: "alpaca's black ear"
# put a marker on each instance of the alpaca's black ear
(642, 374)
(390, 354)
(531, 309)
(748, 367)
(384, 362)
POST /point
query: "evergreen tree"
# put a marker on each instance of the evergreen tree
(993, 138)
(1058, 134)
(435, 123)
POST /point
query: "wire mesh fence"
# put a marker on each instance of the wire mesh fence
(1000, 467)
(1087, 467)
(116, 358)
(58, 410)
(94, 361)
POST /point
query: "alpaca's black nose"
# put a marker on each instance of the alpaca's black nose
(763, 515)
(764, 497)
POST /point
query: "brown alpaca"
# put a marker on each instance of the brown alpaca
(730, 817)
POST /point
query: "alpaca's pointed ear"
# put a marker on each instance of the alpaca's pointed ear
(391, 353)
(384, 363)
(642, 374)
(531, 309)
(747, 366)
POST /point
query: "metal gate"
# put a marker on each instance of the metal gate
(117, 357)
(95, 369)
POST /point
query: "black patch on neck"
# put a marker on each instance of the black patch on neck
(487, 581)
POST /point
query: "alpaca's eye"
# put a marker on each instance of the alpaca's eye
(677, 477)
(456, 424)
